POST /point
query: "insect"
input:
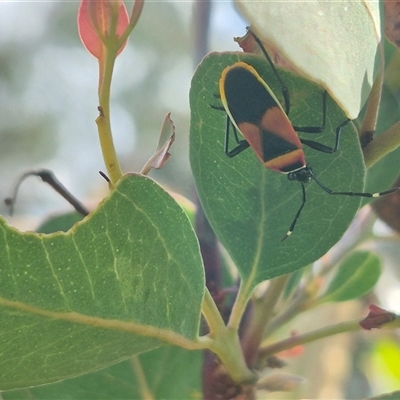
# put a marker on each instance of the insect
(254, 111)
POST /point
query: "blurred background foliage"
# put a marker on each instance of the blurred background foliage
(48, 99)
(48, 104)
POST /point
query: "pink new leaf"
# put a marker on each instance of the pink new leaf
(95, 22)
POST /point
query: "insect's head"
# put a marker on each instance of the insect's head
(304, 175)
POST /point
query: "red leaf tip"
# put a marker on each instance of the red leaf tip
(376, 318)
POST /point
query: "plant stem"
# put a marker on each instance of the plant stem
(103, 121)
(224, 342)
(212, 315)
(382, 145)
(135, 15)
(297, 340)
(262, 311)
(227, 347)
(375, 149)
(141, 378)
(368, 125)
(241, 301)
(350, 326)
(289, 313)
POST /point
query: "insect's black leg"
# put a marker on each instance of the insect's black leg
(315, 129)
(219, 108)
(284, 89)
(324, 148)
(241, 144)
(293, 224)
(319, 129)
(307, 129)
(357, 194)
(329, 191)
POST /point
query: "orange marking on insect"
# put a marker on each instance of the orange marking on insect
(275, 121)
(252, 133)
(288, 162)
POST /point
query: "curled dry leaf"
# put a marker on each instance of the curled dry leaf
(161, 155)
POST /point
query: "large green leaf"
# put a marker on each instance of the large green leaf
(250, 207)
(168, 372)
(75, 302)
(339, 48)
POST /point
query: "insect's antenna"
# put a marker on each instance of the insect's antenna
(219, 108)
(296, 217)
(284, 89)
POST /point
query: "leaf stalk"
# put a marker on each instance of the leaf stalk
(103, 120)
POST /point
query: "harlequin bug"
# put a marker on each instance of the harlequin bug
(254, 111)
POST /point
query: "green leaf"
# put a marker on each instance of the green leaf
(338, 46)
(293, 282)
(117, 284)
(169, 373)
(387, 396)
(250, 207)
(356, 276)
(382, 174)
(63, 222)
